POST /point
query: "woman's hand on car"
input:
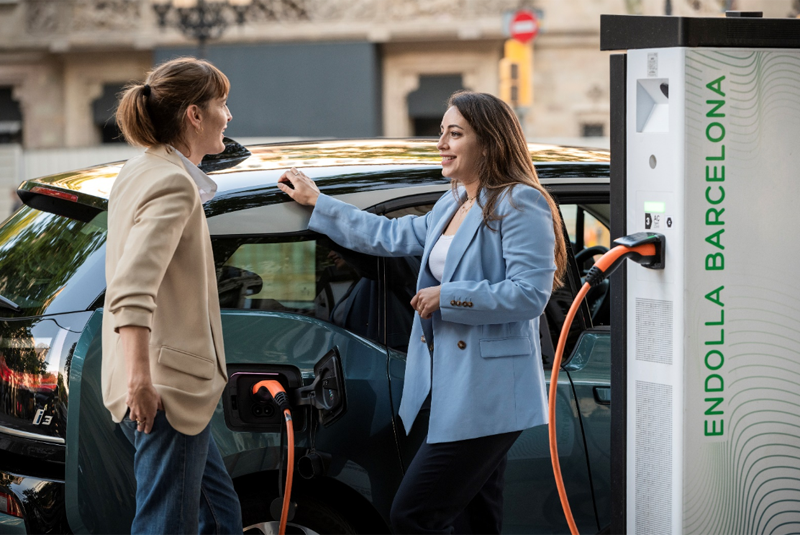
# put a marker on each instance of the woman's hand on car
(299, 187)
(426, 302)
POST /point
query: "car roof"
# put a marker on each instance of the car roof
(367, 155)
(365, 173)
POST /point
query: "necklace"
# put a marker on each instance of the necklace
(466, 205)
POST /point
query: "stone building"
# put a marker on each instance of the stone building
(304, 68)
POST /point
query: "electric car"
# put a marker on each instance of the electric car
(291, 300)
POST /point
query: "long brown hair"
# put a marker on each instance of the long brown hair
(507, 161)
(154, 112)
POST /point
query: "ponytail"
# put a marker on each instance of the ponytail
(133, 119)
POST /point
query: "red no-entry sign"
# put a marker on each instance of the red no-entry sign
(524, 26)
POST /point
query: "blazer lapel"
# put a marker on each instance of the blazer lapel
(461, 240)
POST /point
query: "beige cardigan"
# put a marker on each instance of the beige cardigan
(160, 275)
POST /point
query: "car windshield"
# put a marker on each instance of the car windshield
(40, 253)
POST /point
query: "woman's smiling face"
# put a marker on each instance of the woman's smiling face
(459, 147)
(216, 117)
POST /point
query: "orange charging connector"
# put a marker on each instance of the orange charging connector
(279, 394)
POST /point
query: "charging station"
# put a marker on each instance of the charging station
(705, 146)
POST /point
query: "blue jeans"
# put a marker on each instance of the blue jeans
(181, 482)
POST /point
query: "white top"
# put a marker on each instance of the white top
(438, 255)
(205, 186)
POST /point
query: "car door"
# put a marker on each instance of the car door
(587, 218)
(531, 499)
(290, 300)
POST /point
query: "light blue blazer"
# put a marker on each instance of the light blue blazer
(485, 372)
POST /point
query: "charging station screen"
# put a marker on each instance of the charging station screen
(655, 207)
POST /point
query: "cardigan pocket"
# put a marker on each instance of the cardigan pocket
(188, 363)
(506, 347)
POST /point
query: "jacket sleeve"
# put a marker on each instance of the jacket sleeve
(369, 233)
(528, 243)
(159, 221)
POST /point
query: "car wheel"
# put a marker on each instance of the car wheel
(311, 516)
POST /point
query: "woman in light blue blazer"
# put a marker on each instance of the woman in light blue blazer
(492, 251)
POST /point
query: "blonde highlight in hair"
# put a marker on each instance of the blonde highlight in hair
(507, 161)
(154, 112)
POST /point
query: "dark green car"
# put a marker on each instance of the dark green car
(289, 297)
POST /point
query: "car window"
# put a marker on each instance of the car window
(307, 275)
(586, 225)
(43, 254)
(590, 237)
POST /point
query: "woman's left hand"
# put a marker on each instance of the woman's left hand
(426, 302)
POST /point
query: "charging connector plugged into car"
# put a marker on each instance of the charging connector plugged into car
(260, 399)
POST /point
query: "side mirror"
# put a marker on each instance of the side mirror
(233, 155)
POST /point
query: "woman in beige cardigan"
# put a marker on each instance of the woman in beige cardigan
(163, 358)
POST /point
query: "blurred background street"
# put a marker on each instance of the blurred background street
(307, 68)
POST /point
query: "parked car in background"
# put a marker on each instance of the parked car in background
(289, 297)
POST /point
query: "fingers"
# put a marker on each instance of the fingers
(144, 422)
(286, 189)
(143, 412)
(285, 184)
(148, 424)
(299, 187)
(426, 302)
(417, 302)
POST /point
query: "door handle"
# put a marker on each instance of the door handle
(602, 395)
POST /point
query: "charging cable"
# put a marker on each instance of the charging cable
(264, 390)
(645, 248)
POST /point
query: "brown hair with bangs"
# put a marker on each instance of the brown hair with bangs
(154, 112)
(507, 161)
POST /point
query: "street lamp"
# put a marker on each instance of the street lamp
(201, 19)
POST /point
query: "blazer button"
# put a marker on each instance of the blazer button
(458, 303)
(453, 302)
(462, 344)
(470, 303)
(422, 339)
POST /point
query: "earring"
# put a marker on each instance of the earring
(198, 130)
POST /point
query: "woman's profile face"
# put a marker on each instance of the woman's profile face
(215, 119)
(459, 147)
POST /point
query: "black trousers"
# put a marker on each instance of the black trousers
(454, 487)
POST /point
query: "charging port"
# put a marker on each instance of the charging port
(247, 412)
(259, 413)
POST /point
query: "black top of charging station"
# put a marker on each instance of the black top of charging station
(743, 30)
